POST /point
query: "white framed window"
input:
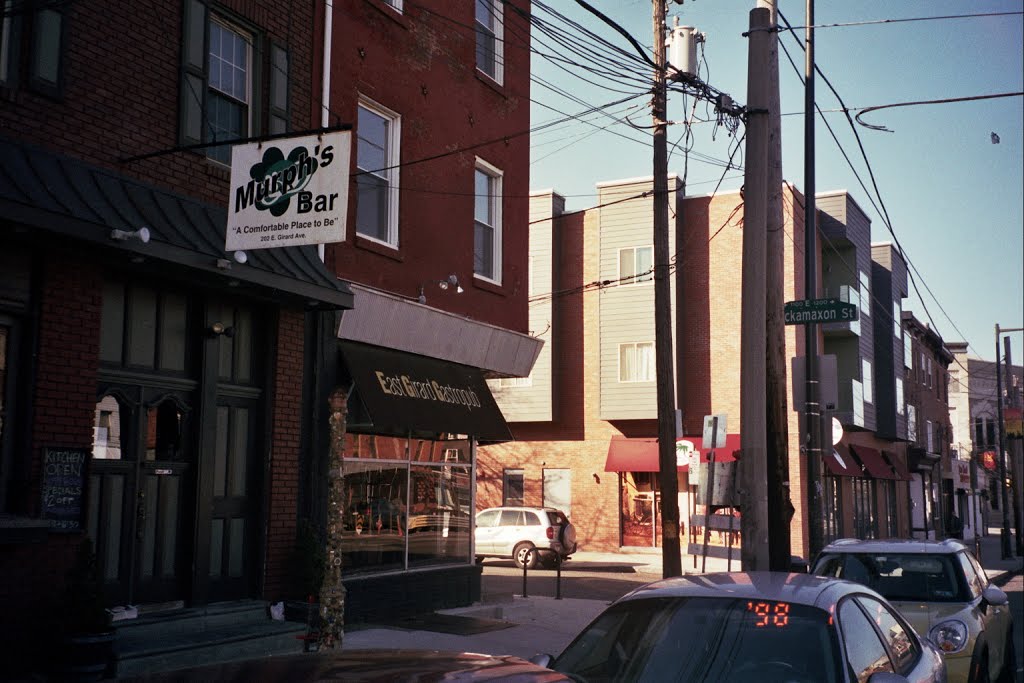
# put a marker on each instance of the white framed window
(912, 422)
(929, 435)
(394, 4)
(867, 380)
(487, 222)
(908, 352)
(490, 39)
(229, 86)
(897, 319)
(378, 134)
(636, 362)
(505, 382)
(928, 370)
(865, 294)
(636, 264)
(899, 395)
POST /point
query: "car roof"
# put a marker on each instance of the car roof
(801, 589)
(522, 507)
(948, 546)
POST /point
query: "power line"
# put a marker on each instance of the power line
(899, 21)
(942, 101)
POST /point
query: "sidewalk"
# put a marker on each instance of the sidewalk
(528, 626)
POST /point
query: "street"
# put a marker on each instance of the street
(1015, 590)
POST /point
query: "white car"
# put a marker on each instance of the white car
(528, 535)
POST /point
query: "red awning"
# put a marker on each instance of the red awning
(841, 464)
(897, 464)
(640, 454)
(873, 462)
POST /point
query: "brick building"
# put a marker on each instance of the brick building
(184, 385)
(585, 421)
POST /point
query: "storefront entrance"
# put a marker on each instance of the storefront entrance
(174, 508)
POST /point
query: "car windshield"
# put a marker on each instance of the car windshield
(900, 577)
(715, 640)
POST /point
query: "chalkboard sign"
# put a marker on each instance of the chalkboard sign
(64, 472)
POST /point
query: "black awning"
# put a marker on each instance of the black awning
(404, 392)
(54, 194)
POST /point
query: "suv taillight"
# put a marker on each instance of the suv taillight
(551, 533)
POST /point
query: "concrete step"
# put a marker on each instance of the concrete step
(191, 637)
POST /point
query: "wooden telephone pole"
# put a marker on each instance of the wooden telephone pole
(672, 561)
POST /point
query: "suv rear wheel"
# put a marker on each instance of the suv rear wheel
(526, 555)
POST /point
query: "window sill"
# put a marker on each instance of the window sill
(379, 248)
(390, 12)
(487, 285)
(494, 85)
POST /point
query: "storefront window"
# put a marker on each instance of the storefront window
(833, 507)
(891, 518)
(409, 503)
(864, 508)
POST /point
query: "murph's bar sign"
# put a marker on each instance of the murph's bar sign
(289, 192)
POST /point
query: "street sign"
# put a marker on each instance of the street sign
(819, 311)
(714, 431)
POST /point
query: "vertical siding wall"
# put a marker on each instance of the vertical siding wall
(533, 403)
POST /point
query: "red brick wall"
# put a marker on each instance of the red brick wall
(420, 64)
(286, 414)
(121, 89)
(67, 356)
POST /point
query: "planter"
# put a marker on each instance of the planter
(85, 657)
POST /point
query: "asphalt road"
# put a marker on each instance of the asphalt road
(1015, 591)
(502, 577)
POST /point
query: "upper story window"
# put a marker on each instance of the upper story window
(899, 396)
(897, 317)
(228, 102)
(395, 4)
(636, 362)
(43, 25)
(377, 160)
(636, 264)
(220, 95)
(490, 43)
(487, 222)
(865, 294)
(908, 353)
(867, 379)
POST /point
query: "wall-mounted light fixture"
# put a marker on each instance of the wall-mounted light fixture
(218, 328)
(142, 235)
(445, 284)
(239, 257)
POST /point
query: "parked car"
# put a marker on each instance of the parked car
(943, 591)
(528, 535)
(736, 627)
(367, 666)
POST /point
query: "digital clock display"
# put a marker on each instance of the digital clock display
(769, 614)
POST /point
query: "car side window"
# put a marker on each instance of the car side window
(866, 654)
(488, 518)
(530, 519)
(974, 583)
(829, 566)
(511, 518)
(902, 646)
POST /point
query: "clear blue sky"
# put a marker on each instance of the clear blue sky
(955, 199)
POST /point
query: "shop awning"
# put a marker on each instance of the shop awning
(873, 462)
(403, 392)
(897, 464)
(640, 454)
(840, 463)
(61, 200)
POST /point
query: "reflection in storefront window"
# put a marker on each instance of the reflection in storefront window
(106, 430)
(439, 515)
(401, 513)
(163, 431)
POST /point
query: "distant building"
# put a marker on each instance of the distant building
(585, 421)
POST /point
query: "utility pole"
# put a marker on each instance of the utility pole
(753, 464)
(812, 420)
(1011, 450)
(780, 507)
(1004, 503)
(672, 561)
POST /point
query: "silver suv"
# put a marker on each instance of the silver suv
(526, 534)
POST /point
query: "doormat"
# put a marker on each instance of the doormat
(454, 624)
